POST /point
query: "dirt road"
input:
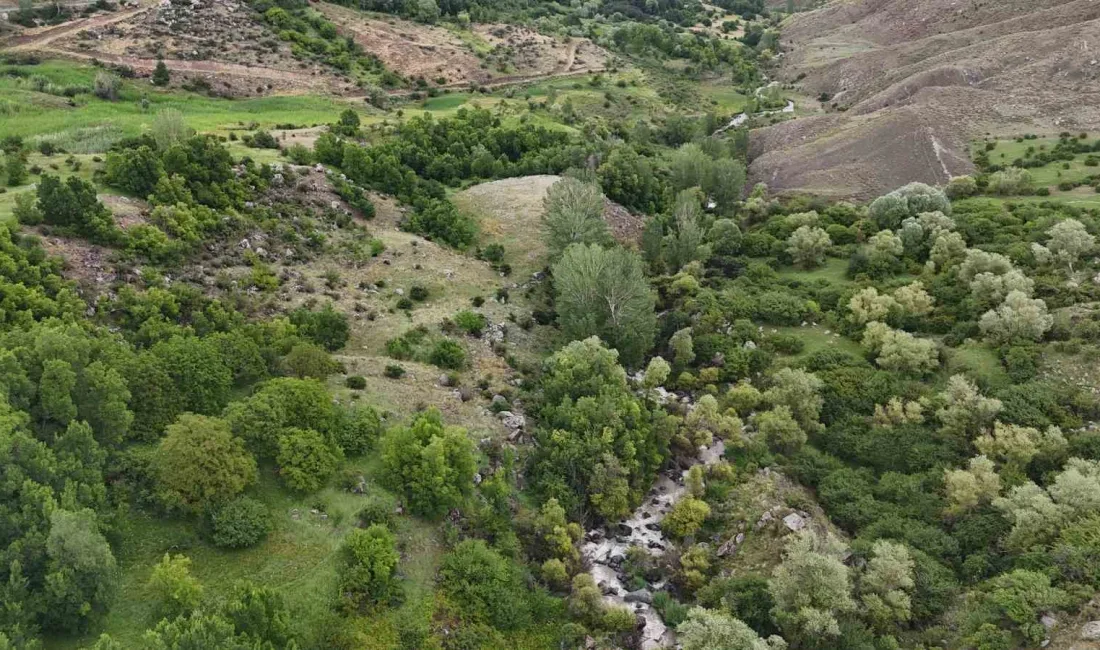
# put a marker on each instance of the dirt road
(41, 38)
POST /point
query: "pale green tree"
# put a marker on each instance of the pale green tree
(1077, 486)
(808, 245)
(1069, 240)
(914, 300)
(947, 250)
(656, 373)
(988, 289)
(897, 412)
(1016, 445)
(800, 392)
(965, 410)
(909, 201)
(884, 247)
(868, 305)
(1034, 515)
(969, 488)
(682, 346)
(685, 244)
(573, 214)
(901, 351)
(706, 629)
(604, 292)
(688, 166)
(723, 182)
(811, 588)
(887, 584)
(1019, 318)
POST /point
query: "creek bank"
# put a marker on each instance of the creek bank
(605, 553)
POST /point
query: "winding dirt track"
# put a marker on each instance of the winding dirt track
(38, 39)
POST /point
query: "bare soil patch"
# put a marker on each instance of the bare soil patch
(509, 53)
(221, 42)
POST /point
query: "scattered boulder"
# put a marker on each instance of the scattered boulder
(1091, 631)
(639, 596)
(794, 522)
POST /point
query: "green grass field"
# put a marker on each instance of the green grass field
(833, 271)
(92, 124)
(299, 558)
(816, 339)
(1050, 175)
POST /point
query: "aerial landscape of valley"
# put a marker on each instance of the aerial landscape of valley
(549, 324)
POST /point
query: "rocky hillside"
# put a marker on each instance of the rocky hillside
(906, 85)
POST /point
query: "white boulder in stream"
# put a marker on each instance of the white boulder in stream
(605, 553)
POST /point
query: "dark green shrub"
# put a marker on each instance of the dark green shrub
(447, 354)
(394, 371)
(471, 322)
(240, 523)
(356, 382)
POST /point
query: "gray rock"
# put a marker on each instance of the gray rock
(1091, 631)
(515, 422)
(640, 596)
(794, 522)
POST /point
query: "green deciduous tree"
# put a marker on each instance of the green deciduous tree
(240, 523)
(1019, 318)
(598, 444)
(810, 588)
(201, 377)
(306, 459)
(707, 629)
(808, 245)
(370, 565)
(573, 214)
(200, 463)
(174, 589)
(485, 586)
(431, 465)
(685, 517)
(81, 575)
(603, 292)
(780, 430)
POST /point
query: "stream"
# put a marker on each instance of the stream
(605, 553)
(741, 118)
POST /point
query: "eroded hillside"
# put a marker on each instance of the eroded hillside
(907, 85)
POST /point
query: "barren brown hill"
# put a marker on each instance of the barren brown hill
(909, 84)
